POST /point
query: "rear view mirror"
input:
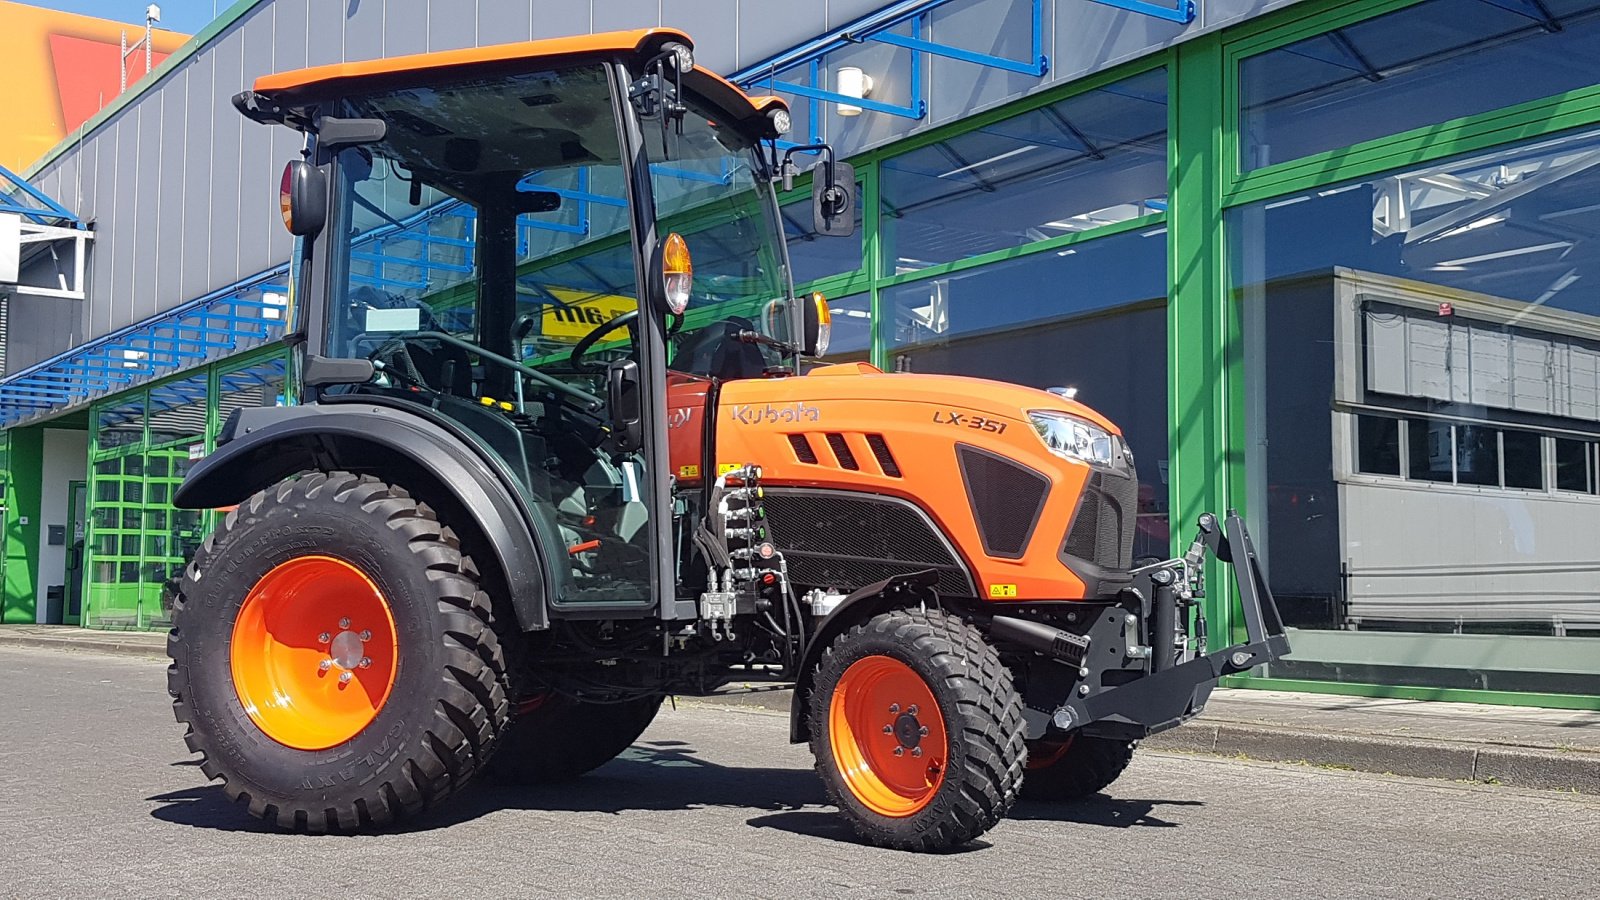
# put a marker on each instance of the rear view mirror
(303, 198)
(833, 199)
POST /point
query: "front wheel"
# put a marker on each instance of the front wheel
(334, 658)
(917, 730)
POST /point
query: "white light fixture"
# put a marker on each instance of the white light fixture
(152, 13)
(133, 359)
(852, 82)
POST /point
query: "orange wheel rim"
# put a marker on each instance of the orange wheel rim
(313, 653)
(888, 736)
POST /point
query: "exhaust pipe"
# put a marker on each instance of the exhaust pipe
(1040, 638)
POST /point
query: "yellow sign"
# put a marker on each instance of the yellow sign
(1000, 591)
(688, 471)
(581, 312)
(725, 468)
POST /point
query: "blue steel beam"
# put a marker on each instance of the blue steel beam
(51, 210)
(1183, 14)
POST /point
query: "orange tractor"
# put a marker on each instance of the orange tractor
(557, 454)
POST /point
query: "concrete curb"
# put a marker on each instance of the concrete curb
(106, 643)
(1521, 767)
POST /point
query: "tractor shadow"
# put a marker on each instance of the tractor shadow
(661, 776)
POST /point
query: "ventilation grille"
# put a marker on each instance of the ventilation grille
(880, 449)
(842, 540)
(841, 451)
(1102, 530)
(802, 448)
(1006, 499)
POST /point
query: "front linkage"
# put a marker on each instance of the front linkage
(1102, 679)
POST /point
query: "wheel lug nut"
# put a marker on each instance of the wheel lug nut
(916, 751)
(324, 637)
(325, 665)
(923, 731)
(894, 707)
(912, 710)
(366, 636)
(888, 729)
(344, 623)
(899, 751)
(344, 677)
(366, 662)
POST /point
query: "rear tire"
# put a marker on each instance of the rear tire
(439, 686)
(928, 684)
(1084, 766)
(561, 739)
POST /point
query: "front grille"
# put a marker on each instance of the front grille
(1102, 529)
(843, 540)
(1006, 499)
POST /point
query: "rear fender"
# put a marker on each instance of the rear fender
(260, 447)
(910, 589)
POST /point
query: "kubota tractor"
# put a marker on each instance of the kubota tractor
(556, 455)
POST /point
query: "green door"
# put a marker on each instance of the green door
(77, 515)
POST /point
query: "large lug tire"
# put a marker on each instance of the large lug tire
(1074, 767)
(925, 684)
(555, 738)
(320, 577)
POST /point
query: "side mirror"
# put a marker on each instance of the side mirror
(818, 325)
(303, 198)
(833, 199)
(627, 409)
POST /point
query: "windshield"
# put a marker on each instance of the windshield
(712, 187)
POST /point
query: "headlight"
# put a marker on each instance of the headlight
(1074, 438)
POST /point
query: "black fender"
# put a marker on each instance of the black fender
(910, 589)
(259, 447)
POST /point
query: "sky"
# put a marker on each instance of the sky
(184, 16)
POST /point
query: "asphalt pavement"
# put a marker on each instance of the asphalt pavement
(99, 798)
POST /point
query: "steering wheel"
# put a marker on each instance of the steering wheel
(593, 337)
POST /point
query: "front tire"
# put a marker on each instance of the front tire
(334, 658)
(555, 738)
(917, 730)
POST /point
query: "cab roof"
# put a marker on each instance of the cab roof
(336, 80)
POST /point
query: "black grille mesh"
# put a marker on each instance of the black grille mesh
(1102, 529)
(802, 448)
(880, 449)
(848, 541)
(1006, 499)
(841, 451)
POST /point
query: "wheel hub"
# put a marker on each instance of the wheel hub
(314, 652)
(908, 730)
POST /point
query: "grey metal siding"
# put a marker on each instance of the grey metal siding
(180, 187)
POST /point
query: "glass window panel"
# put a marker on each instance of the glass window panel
(1431, 446)
(852, 328)
(813, 256)
(1477, 455)
(107, 491)
(1106, 336)
(133, 491)
(257, 385)
(133, 465)
(1422, 65)
(121, 424)
(130, 545)
(178, 410)
(1379, 445)
(1456, 297)
(130, 518)
(1093, 159)
(1523, 458)
(1575, 466)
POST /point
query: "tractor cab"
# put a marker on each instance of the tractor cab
(521, 247)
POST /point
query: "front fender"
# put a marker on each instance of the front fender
(261, 446)
(900, 590)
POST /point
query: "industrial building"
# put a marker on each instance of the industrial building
(1333, 262)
